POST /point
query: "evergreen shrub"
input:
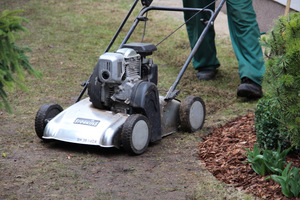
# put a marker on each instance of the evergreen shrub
(278, 113)
(13, 59)
(267, 124)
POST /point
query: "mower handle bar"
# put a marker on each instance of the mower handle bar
(146, 9)
(171, 94)
(145, 3)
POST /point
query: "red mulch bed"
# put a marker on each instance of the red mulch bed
(223, 154)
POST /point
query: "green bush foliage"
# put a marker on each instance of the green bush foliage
(275, 160)
(13, 59)
(256, 160)
(282, 84)
(264, 161)
(267, 124)
(289, 181)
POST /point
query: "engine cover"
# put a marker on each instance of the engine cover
(112, 66)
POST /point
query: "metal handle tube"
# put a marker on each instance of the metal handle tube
(121, 26)
(109, 46)
(194, 50)
(146, 9)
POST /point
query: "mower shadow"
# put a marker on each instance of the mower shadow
(88, 149)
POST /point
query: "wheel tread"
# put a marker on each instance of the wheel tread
(126, 136)
(41, 115)
(185, 111)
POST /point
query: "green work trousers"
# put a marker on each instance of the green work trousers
(244, 33)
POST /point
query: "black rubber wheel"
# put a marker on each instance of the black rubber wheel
(94, 89)
(192, 113)
(135, 135)
(45, 114)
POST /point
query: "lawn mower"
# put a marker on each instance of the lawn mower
(123, 108)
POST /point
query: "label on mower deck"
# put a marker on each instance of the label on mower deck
(84, 140)
(87, 122)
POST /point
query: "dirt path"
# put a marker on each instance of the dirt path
(169, 169)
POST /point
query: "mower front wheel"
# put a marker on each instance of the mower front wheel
(192, 113)
(135, 135)
(44, 115)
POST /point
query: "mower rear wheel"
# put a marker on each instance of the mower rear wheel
(135, 135)
(44, 115)
(192, 113)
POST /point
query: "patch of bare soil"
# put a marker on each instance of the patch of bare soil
(223, 153)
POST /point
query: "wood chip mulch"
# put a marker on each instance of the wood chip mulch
(223, 154)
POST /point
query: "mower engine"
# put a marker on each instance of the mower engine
(116, 75)
(125, 82)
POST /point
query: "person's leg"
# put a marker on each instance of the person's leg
(245, 35)
(206, 56)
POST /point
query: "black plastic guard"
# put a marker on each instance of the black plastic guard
(145, 49)
(145, 100)
(146, 2)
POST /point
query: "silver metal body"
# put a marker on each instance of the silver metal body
(81, 123)
(169, 111)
